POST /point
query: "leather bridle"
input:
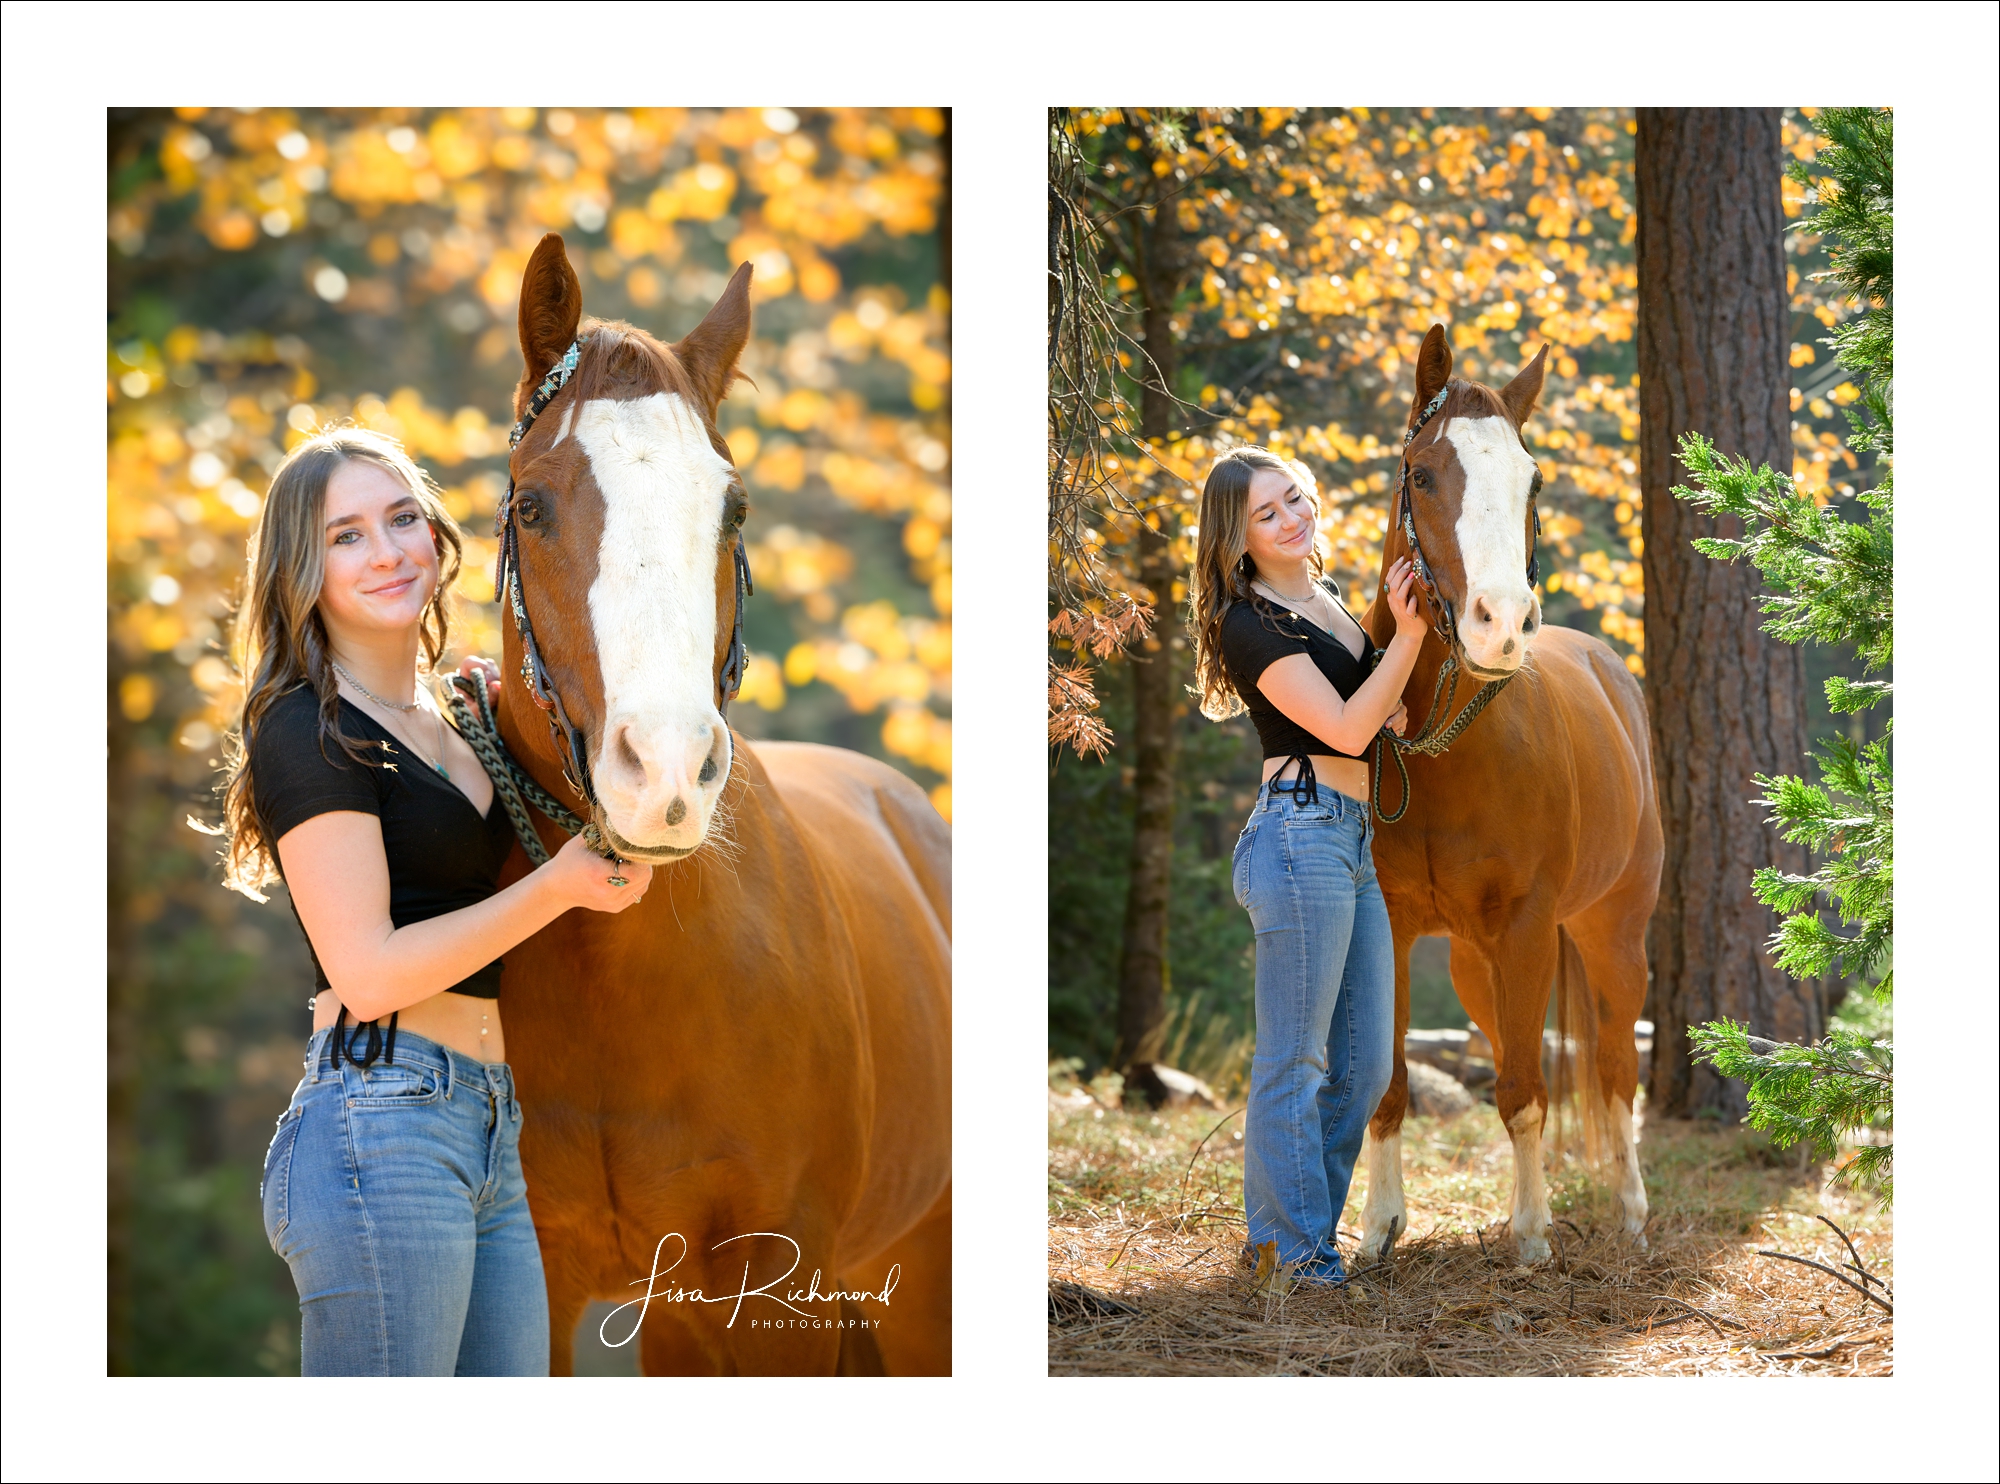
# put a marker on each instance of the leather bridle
(570, 740)
(1435, 737)
(1407, 519)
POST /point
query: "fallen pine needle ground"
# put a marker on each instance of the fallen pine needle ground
(1145, 1279)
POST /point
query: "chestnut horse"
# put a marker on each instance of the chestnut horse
(739, 1089)
(1534, 841)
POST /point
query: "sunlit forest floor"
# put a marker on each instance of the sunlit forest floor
(1153, 1230)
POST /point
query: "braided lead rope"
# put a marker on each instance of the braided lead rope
(1419, 743)
(516, 787)
(1436, 737)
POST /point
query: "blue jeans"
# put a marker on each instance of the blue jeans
(395, 1195)
(1326, 1004)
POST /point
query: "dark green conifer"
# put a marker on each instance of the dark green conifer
(1832, 582)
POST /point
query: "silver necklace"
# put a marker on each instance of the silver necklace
(1277, 592)
(436, 764)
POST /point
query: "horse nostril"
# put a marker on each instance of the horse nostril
(1481, 612)
(708, 769)
(677, 811)
(628, 754)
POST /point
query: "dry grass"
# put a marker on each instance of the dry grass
(1131, 1219)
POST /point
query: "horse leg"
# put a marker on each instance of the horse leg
(1521, 966)
(1611, 939)
(1472, 982)
(783, 1331)
(1478, 991)
(912, 1329)
(671, 1347)
(1383, 1214)
(566, 1303)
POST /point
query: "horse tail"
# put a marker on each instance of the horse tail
(1574, 1088)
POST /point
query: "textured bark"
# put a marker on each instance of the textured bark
(1725, 698)
(1143, 973)
(1142, 962)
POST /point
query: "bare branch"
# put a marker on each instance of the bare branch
(1837, 1277)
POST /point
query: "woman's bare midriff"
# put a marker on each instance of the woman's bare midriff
(1348, 775)
(453, 1020)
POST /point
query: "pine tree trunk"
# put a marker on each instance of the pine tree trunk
(1142, 962)
(1726, 699)
(1157, 691)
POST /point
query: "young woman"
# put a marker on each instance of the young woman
(1272, 638)
(393, 1187)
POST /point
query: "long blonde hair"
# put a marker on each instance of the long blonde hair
(279, 637)
(1223, 569)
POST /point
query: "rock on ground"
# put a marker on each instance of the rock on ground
(1168, 1087)
(1436, 1094)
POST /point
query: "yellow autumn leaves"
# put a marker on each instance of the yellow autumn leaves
(420, 222)
(1337, 237)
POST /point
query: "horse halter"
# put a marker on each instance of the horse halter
(1434, 739)
(1439, 603)
(507, 579)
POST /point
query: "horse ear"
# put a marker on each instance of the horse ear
(1524, 391)
(551, 306)
(708, 353)
(1433, 369)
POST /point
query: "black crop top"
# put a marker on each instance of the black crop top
(443, 855)
(1256, 632)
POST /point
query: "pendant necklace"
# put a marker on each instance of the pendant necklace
(436, 764)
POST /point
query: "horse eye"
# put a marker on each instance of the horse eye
(527, 512)
(1421, 478)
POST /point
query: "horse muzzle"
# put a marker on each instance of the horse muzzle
(651, 855)
(658, 785)
(1496, 631)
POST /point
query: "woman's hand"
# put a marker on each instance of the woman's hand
(1399, 719)
(581, 877)
(1403, 604)
(478, 664)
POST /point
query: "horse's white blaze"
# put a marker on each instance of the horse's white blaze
(653, 610)
(1492, 540)
(1531, 1197)
(1631, 1184)
(1383, 1216)
(562, 428)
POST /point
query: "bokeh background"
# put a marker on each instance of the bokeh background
(271, 270)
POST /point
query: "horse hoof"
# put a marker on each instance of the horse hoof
(1533, 1250)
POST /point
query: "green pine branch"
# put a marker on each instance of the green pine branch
(1832, 581)
(1812, 1094)
(1848, 820)
(1851, 191)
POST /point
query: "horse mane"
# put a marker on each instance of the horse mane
(621, 356)
(1473, 399)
